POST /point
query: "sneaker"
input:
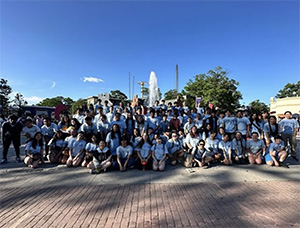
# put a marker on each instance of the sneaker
(3, 161)
(95, 171)
(18, 160)
(295, 158)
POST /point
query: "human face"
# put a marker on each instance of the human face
(124, 142)
(102, 144)
(288, 115)
(238, 136)
(38, 137)
(174, 137)
(272, 120)
(145, 137)
(79, 136)
(115, 128)
(255, 137)
(158, 141)
(277, 141)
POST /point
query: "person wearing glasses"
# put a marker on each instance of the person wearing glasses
(175, 148)
(201, 156)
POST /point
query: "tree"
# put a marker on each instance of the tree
(216, 88)
(117, 94)
(78, 104)
(289, 90)
(171, 94)
(257, 107)
(19, 101)
(53, 102)
(5, 91)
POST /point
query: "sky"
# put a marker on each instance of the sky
(79, 49)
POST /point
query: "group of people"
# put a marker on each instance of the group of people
(104, 137)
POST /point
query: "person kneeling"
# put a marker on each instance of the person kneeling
(159, 154)
(76, 151)
(34, 151)
(124, 158)
(277, 153)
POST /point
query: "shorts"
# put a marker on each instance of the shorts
(268, 157)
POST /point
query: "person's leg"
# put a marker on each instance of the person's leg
(155, 165)
(105, 165)
(35, 164)
(69, 162)
(251, 159)
(77, 161)
(258, 159)
(285, 139)
(53, 156)
(91, 165)
(6, 145)
(293, 142)
(17, 144)
(162, 166)
(28, 161)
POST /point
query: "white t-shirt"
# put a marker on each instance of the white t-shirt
(32, 130)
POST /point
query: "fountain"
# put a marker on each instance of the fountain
(153, 90)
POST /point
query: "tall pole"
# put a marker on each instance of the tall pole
(176, 78)
(133, 86)
(129, 92)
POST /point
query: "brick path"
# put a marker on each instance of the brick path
(243, 204)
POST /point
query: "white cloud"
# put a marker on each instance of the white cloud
(92, 79)
(53, 84)
(33, 99)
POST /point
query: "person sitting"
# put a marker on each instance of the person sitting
(174, 148)
(225, 146)
(34, 151)
(201, 156)
(101, 159)
(277, 153)
(56, 145)
(90, 150)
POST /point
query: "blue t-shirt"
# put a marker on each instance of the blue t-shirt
(159, 151)
(145, 150)
(242, 124)
(288, 125)
(32, 150)
(275, 146)
(124, 151)
(229, 124)
(255, 146)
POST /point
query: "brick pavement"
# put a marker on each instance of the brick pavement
(222, 204)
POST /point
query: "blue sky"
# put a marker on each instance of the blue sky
(49, 47)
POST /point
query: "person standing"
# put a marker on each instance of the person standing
(288, 129)
(11, 132)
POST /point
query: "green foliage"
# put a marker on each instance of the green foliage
(5, 91)
(289, 90)
(19, 101)
(53, 102)
(77, 104)
(215, 87)
(117, 94)
(171, 94)
(257, 107)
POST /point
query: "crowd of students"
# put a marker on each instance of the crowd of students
(118, 137)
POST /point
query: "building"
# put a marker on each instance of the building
(279, 106)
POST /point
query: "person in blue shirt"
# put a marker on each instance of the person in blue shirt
(255, 148)
(277, 153)
(174, 148)
(57, 145)
(159, 155)
(229, 124)
(288, 129)
(243, 125)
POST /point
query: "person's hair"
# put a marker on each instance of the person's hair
(11, 117)
(278, 137)
(201, 141)
(254, 133)
(88, 118)
(113, 133)
(287, 112)
(35, 142)
(77, 124)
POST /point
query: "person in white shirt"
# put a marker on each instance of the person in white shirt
(30, 129)
(124, 153)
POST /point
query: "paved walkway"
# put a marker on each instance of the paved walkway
(237, 196)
